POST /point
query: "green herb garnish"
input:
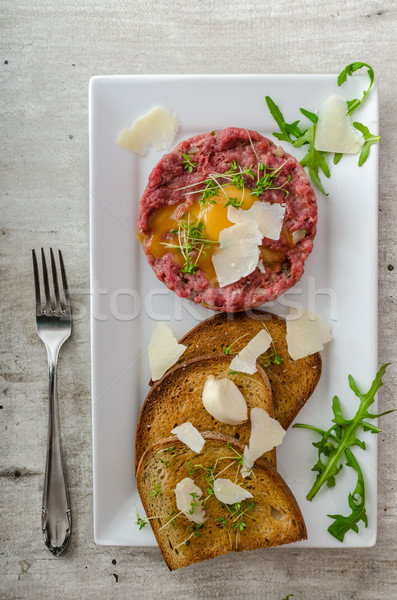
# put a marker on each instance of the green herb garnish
(156, 488)
(141, 522)
(193, 529)
(236, 176)
(195, 502)
(369, 140)
(336, 443)
(238, 510)
(271, 357)
(349, 70)
(315, 160)
(187, 162)
(266, 182)
(233, 202)
(341, 524)
(228, 349)
(171, 452)
(290, 132)
(191, 243)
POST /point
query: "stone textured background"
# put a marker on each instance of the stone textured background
(49, 50)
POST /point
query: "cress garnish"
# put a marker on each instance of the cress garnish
(235, 515)
(236, 176)
(187, 162)
(191, 243)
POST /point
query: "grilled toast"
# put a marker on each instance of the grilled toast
(271, 518)
(292, 382)
(177, 398)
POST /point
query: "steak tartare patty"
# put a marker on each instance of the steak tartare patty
(186, 209)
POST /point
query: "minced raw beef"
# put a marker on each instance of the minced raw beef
(214, 153)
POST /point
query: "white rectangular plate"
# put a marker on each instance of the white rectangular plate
(340, 282)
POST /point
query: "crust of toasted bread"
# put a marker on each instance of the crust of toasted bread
(177, 398)
(276, 518)
(292, 382)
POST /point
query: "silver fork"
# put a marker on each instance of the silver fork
(53, 326)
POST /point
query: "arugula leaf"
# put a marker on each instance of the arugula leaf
(314, 159)
(341, 524)
(286, 129)
(309, 115)
(337, 157)
(345, 431)
(369, 140)
(349, 70)
(338, 441)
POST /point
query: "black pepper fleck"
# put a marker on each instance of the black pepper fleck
(70, 136)
(390, 268)
(1, 406)
(17, 473)
(114, 561)
(6, 62)
(116, 577)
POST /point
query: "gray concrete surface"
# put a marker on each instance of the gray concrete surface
(50, 49)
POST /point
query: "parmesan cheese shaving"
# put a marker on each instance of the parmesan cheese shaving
(306, 334)
(224, 401)
(266, 433)
(190, 436)
(334, 131)
(269, 217)
(187, 494)
(238, 254)
(228, 492)
(298, 235)
(158, 127)
(245, 361)
(163, 351)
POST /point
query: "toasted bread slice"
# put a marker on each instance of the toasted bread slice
(292, 382)
(272, 517)
(177, 398)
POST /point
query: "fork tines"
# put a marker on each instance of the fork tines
(58, 306)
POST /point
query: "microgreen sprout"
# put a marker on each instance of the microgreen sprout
(141, 522)
(241, 374)
(236, 176)
(233, 202)
(193, 530)
(266, 182)
(271, 357)
(187, 162)
(191, 243)
(195, 502)
(228, 349)
(239, 457)
(156, 488)
(171, 452)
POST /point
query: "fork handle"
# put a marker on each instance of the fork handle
(56, 517)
